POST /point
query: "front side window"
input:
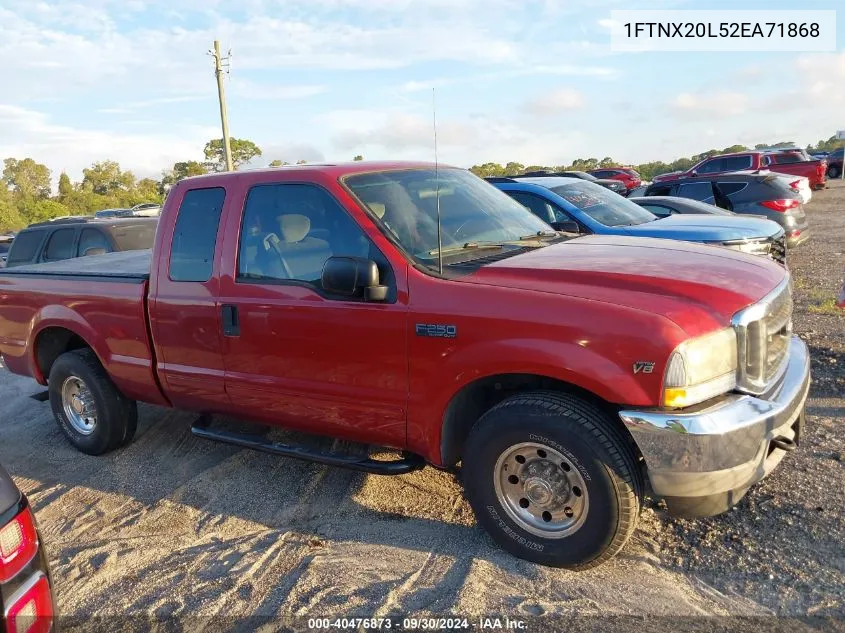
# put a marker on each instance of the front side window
(534, 203)
(60, 245)
(92, 239)
(472, 212)
(711, 166)
(195, 235)
(290, 230)
(603, 205)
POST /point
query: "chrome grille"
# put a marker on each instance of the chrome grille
(763, 331)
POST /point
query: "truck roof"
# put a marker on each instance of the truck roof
(334, 170)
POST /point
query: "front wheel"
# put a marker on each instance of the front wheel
(552, 480)
(833, 171)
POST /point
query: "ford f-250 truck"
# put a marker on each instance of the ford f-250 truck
(566, 377)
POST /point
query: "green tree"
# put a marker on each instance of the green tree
(513, 169)
(26, 177)
(39, 210)
(147, 190)
(65, 186)
(278, 163)
(358, 157)
(243, 151)
(180, 171)
(10, 217)
(106, 177)
(301, 161)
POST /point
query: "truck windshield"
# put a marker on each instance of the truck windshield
(473, 213)
(603, 205)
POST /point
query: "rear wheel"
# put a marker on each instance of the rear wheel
(552, 480)
(89, 409)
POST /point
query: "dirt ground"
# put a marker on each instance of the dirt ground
(175, 526)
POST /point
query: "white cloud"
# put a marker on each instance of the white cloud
(556, 102)
(30, 133)
(709, 105)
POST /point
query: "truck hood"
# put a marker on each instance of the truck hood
(698, 287)
(706, 228)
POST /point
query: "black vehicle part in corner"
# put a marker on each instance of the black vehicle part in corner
(409, 463)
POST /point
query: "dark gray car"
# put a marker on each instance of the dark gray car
(616, 186)
(751, 193)
(664, 206)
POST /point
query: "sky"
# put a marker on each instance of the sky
(533, 81)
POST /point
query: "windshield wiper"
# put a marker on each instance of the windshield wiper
(466, 246)
(534, 236)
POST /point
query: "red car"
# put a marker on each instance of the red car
(783, 161)
(565, 375)
(626, 175)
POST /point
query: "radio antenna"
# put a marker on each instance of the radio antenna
(437, 182)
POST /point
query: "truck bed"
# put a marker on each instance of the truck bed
(100, 299)
(131, 265)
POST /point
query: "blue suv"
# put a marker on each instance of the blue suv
(579, 206)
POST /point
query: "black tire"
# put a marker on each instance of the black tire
(833, 171)
(116, 415)
(588, 439)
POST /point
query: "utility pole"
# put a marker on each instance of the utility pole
(221, 63)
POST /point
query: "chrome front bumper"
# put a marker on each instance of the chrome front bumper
(703, 459)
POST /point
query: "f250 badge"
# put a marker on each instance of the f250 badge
(643, 367)
(437, 330)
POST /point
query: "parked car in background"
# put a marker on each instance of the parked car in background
(834, 163)
(79, 237)
(664, 206)
(27, 603)
(616, 186)
(813, 170)
(146, 210)
(5, 245)
(765, 194)
(577, 206)
(112, 213)
(414, 306)
(627, 176)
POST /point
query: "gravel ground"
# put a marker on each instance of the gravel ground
(175, 526)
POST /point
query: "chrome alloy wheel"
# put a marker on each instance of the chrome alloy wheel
(78, 405)
(541, 490)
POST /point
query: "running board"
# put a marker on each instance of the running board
(409, 463)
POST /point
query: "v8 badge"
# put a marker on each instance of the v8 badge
(643, 367)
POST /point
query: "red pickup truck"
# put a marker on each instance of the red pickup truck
(785, 162)
(417, 307)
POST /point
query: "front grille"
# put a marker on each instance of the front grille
(763, 332)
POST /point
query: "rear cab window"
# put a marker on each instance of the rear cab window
(195, 234)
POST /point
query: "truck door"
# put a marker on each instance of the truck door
(294, 354)
(184, 313)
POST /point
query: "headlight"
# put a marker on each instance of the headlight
(700, 369)
(754, 248)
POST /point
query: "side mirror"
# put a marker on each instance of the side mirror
(353, 277)
(569, 226)
(693, 173)
(94, 251)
